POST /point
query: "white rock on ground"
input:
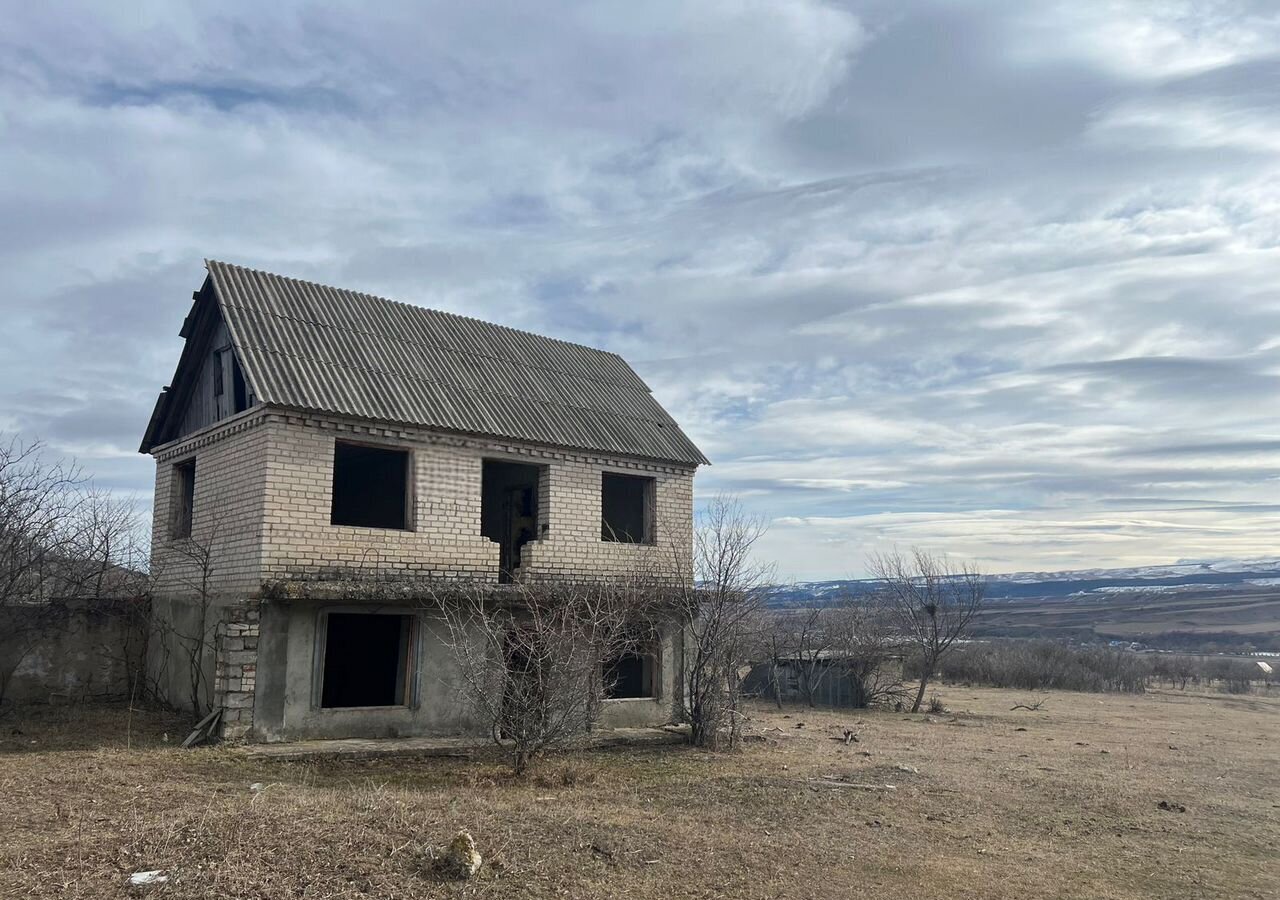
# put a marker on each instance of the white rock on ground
(153, 877)
(462, 858)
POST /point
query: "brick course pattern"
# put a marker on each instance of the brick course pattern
(264, 490)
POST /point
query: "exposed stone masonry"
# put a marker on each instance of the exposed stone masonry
(236, 668)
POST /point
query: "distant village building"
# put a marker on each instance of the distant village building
(314, 438)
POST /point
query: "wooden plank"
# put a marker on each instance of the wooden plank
(202, 730)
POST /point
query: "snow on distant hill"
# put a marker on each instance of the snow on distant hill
(1211, 574)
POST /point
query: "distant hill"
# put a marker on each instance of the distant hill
(1225, 604)
(1204, 575)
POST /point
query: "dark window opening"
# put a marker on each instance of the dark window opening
(626, 508)
(183, 498)
(239, 391)
(370, 486)
(226, 367)
(219, 383)
(366, 660)
(509, 510)
(629, 676)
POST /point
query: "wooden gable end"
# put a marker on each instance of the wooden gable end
(209, 384)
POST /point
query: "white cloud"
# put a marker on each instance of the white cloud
(968, 276)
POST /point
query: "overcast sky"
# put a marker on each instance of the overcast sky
(1000, 279)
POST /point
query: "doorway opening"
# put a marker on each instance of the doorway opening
(367, 659)
(509, 510)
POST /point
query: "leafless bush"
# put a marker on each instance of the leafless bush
(722, 600)
(1235, 676)
(531, 657)
(1176, 669)
(930, 600)
(805, 639)
(1044, 665)
(869, 651)
(192, 568)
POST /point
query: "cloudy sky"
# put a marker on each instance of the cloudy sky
(997, 278)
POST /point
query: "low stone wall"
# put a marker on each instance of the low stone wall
(71, 651)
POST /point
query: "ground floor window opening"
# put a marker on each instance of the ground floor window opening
(631, 676)
(367, 660)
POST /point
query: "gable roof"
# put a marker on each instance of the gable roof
(310, 347)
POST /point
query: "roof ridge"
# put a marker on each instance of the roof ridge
(443, 312)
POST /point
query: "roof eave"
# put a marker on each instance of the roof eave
(480, 435)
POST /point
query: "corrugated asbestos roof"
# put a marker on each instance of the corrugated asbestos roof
(313, 347)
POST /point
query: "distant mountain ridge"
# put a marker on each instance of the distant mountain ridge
(1211, 574)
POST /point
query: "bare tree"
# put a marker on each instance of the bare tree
(721, 601)
(532, 656)
(930, 600)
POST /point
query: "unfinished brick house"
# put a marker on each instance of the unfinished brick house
(314, 437)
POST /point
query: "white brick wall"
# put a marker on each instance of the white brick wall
(227, 515)
(264, 493)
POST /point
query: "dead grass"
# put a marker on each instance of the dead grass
(1067, 808)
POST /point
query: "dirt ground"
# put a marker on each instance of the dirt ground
(1065, 801)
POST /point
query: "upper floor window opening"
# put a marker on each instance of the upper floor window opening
(370, 486)
(182, 496)
(626, 508)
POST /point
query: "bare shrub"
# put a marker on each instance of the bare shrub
(1045, 665)
(721, 600)
(1234, 676)
(1176, 669)
(869, 652)
(531, 657)
(931, 601)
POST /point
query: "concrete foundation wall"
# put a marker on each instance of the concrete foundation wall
(659, 710)
(287, 699)
(184, 636)
(289, 681)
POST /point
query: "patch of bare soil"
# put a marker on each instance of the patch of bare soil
(1163, 795)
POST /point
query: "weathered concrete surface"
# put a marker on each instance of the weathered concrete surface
(70, 652)
(289, 682)
(370, 748)
(289, 675)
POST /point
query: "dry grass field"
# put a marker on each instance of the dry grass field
(986, 802)
(1252, 614)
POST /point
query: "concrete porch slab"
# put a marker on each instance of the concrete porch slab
(420, 747)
